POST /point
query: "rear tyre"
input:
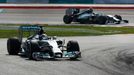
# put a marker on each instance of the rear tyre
(13, 46)
(67, 19)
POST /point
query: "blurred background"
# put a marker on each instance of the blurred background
(71, 1)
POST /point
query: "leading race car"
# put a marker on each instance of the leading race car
(89, 17)
(39, 46)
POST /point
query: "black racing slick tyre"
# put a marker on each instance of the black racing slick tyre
(67, 19)
(102, 20)
(72, 46)
(13, 46)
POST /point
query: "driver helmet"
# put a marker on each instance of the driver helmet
(90, 10)
(41, 31)
(76, 10)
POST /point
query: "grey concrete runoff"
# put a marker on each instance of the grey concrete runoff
(101, 55)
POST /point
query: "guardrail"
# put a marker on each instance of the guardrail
(63, 6)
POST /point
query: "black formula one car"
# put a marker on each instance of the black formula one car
(39, 46)
(89, 17)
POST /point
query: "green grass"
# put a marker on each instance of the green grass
(8, 33)
(87, 30)
(75, 31)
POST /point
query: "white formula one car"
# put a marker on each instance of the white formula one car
(89, 17)
(39, 46)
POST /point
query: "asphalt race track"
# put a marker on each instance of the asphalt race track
(51, 16)
(101, 55)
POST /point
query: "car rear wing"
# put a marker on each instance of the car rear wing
(31, 29)
(72, 11)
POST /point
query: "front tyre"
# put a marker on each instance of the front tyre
(67, 19)
(102, 20)
(13, 46)
(73, 46)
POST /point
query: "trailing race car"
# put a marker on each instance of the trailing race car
(40, 46)
(89, 17)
